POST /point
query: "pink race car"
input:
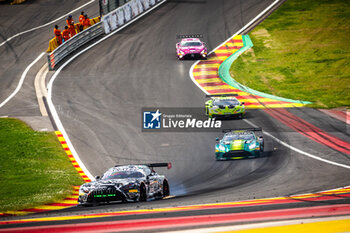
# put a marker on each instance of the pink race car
(191, 46)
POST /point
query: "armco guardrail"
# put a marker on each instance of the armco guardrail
(74, 43)
(109, 23)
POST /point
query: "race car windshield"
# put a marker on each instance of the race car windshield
(122, 175)
(190, 43)
(226, 102)
(232, 137)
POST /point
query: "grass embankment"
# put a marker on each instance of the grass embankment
(34, 168)
(301, 51)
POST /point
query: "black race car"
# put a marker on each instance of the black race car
(126, 183)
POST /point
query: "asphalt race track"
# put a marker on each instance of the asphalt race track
(99, 97)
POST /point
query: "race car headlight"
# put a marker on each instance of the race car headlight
(84, 189)
(214, 108)
(182, 52)
(203, 51)
(251, 146)
(222, 148)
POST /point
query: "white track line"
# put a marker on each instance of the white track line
(298, 150)
(251, 123)
(50, 84)
(44, 25)
(27, 69)
(21, 81)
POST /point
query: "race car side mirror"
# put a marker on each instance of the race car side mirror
(97, 177)
(242, 103)
(217, 139)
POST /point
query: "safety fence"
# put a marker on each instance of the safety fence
(110, 5)
(130, 10)
(78, 27)
(74, 43)
(110, 22)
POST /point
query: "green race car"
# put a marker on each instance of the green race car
(238, 144)
(224, 106)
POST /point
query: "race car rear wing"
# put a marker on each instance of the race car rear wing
(220, 95)
(243, 129)
(151, 165)
(189, 36)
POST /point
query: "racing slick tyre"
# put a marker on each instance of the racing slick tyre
(123, 200)
(86, 204)
(262, 147)
(143, 194)
(166, 190)
(90, 204)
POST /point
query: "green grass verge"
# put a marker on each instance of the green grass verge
(34, 168)
(301, 51)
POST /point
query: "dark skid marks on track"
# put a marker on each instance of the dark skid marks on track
(235, 181)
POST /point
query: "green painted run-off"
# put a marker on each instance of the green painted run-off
(224, 74)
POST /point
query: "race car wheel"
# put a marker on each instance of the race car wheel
(166, 190)
(86, 204)
(124, 200)
(262, 146)
(90, 204)
(143, 194)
